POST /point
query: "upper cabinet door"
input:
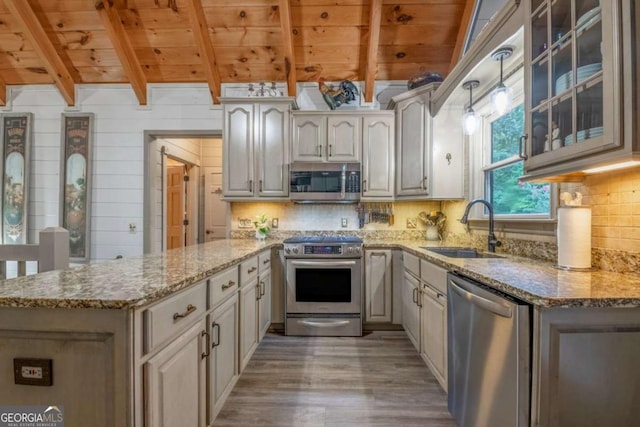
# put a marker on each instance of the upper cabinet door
(238, 158)
(378, 157)
(573, 80)
(412, 137)
(343, 139)
(447, 155)
(273, 150)
(309, 138)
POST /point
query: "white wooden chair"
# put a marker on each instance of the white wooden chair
(52, 253)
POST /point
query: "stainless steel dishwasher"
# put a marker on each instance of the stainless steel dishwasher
(489, 356)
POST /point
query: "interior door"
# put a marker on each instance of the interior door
(215, 210)
(175, 207)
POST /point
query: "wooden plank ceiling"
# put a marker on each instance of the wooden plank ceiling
(224, 41)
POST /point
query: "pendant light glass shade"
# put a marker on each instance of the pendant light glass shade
(470, 119)
(501, 97)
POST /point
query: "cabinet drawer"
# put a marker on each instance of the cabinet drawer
(222, 285)
(411, 263)
(174, 314)
(248, 271)
(264, 261)
(434, 275)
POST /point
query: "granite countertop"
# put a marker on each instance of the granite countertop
(536, 282)
(135, 282)
(128, 282)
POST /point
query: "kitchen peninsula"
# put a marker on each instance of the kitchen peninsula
(89, 320)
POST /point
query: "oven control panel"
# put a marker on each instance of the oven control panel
(323, 250)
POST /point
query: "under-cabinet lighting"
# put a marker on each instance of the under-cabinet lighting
(615, 166)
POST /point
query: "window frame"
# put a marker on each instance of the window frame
(480, 164)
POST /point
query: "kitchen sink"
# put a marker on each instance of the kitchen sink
(454, 252)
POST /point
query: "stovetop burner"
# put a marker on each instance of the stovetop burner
(323, 239)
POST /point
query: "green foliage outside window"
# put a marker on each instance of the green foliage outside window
(507, 193)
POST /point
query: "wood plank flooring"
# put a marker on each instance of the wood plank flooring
(376, 380)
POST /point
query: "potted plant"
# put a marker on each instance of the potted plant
(261, 225)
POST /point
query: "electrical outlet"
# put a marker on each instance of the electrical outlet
(345, 222)
(274, 222)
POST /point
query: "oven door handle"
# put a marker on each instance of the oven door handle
(323, 263)
(324, 323)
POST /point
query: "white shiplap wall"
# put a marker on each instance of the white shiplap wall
(118, 151)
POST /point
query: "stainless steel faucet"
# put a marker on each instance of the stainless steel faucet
(492, 241)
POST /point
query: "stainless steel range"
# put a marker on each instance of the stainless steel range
(323, 286)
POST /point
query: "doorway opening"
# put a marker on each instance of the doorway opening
(183, 190)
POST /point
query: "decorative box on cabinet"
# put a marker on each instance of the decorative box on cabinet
(580, 86)
(256, 146)
(326, 137)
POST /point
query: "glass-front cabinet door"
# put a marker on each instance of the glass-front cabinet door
(572, 80)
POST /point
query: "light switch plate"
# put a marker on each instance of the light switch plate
(275, 222)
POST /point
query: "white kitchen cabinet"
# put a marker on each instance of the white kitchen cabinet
(249, 295)
(447, 155)
(309, 137)
(344, 140)
(378, 283)
(411, 308)
(264, 303)
(256, 144)
(434, 319)
(411, 298)
(413, 141)
(326, 137)
(580, 85)
(434, 332)
(175, 381)
(378, 156)
(223, 365)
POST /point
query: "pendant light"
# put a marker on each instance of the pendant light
(470, 118)
(501, 96)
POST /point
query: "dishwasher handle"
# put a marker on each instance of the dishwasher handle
(481, 302)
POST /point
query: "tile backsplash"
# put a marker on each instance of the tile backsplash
(305, 217)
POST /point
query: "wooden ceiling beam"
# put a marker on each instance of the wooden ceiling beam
(123, 47)
(462, 32)
(33, 30)
(375, 15)
(205, 47)
(3, 92)
(287, 42)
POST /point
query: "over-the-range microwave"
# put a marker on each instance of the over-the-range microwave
(324, 182)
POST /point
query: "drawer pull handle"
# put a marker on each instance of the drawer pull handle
(190, 309)
(251, 270)
(206, 353)
(216, 326)
(229, 285)
(266, 261)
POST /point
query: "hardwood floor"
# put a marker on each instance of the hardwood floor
(376, 380)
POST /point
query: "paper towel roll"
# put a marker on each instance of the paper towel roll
(574, 237)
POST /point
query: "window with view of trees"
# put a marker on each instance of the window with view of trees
(509, 195)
